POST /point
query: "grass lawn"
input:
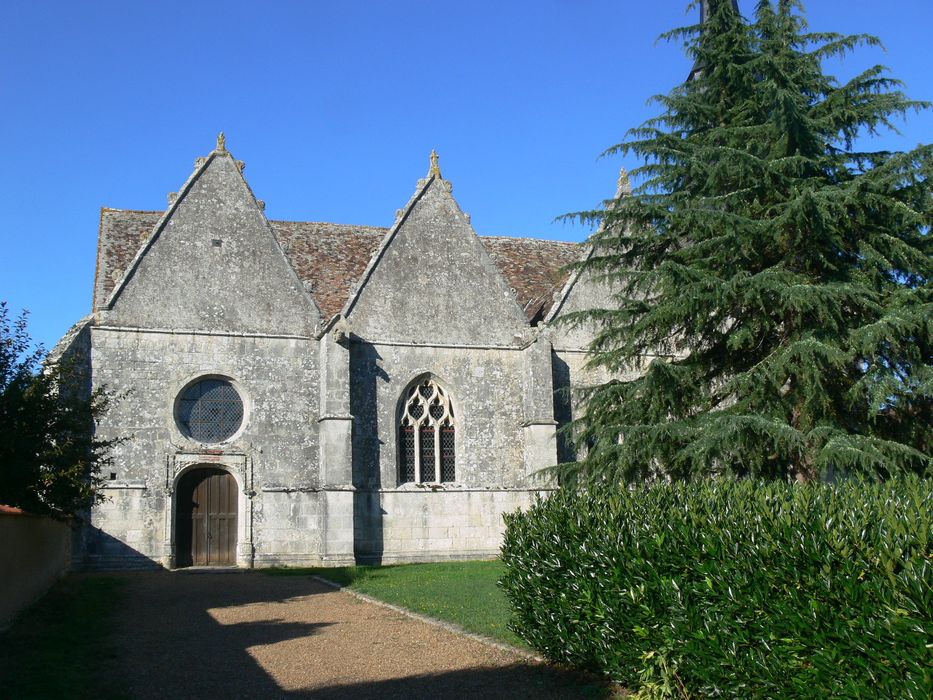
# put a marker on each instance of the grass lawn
(464, 593)
(60, 648)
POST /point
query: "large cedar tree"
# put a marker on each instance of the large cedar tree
(779, 273)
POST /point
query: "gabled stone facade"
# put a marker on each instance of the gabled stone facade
(306, 393)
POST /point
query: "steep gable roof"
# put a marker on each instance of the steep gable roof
(430, 266)
(331, 258)
(224, 265)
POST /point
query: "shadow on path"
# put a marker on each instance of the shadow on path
(519, 681)
(249, 635)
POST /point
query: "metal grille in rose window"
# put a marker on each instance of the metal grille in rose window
(211, 410)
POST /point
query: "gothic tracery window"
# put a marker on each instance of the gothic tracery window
(427, 435)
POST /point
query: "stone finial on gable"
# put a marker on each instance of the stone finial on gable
(624, 187)
(221, 149)
(435, 170)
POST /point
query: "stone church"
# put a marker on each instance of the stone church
(298, 393)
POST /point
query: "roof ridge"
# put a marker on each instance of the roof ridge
(375, 227)
(134, 211)
(506, 237)
(329, 223)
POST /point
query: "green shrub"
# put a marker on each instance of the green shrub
(732, 589)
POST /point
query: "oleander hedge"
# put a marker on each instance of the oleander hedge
(736, 589)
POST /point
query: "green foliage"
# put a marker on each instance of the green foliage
(779, 277)
(725, 588)
(62, 646)
(50, 461)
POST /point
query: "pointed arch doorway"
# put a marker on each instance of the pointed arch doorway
(206, 518)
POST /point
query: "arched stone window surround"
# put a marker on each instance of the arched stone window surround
(427, 432)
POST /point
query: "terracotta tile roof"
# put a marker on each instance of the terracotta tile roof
(122, 234)
(332, 257)
(533, 268)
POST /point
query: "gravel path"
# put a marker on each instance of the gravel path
(249, 635)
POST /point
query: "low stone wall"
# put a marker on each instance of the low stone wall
(35, 552)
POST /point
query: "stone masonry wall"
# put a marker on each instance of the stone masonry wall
(213, 295)
(215, 265)
(276, 449)
(485, 387)
(435, 282)
(425, 525)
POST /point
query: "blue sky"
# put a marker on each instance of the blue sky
(335, 107)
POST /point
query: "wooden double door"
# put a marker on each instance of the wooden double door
(206, 518)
